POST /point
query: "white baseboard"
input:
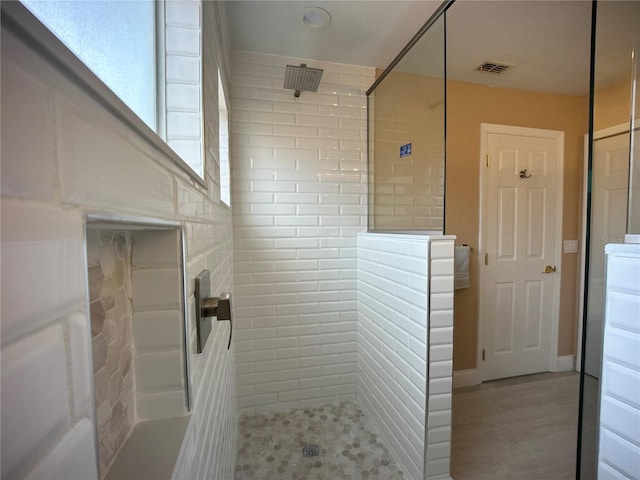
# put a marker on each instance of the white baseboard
(566, 363)
(465, 378)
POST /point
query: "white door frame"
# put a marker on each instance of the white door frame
(605, 132)
(485, 129)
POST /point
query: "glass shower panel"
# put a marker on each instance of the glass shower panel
(612, 209)
(406, 140)
(633, 222)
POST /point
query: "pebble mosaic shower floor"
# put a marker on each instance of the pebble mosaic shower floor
(270, 446)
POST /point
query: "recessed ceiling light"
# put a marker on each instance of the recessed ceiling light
(316, 18)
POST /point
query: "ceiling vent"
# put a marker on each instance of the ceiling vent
(493, 67)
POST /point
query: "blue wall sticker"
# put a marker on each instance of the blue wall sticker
(405, 150)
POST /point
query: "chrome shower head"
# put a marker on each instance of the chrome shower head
(302, 78)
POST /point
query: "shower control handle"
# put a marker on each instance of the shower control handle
(207, 307)
(219, 307)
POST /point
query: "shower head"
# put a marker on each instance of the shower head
(302, 78)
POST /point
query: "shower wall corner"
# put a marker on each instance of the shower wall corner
(405, 352)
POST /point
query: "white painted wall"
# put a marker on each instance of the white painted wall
(299, 200)
(65, 155)
(405, 314)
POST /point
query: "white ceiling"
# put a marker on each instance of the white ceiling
(547, 41)
(362, 32)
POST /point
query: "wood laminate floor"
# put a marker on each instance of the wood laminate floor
(522, 428)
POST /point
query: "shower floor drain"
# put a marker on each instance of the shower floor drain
(311, 450)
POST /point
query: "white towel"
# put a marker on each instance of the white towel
(461, 267)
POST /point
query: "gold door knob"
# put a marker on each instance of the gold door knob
(549, 269)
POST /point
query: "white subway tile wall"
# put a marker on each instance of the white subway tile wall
(183, 102)
(394, 304)
(95, 180)
(64, 157)
(155, 289)
(25, 422)
(299, 185)
(51, 239)
(157, 330)
(440, 389)
(29, 175)
(42, 251)
(619, 432)
(72, 457)
(209, 447)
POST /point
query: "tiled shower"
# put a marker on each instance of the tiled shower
(324, 312)
(299, 184)
(66, 159)
(298, 206)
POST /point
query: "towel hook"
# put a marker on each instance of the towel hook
(523, 174)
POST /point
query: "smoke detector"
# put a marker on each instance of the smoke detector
(316, 18)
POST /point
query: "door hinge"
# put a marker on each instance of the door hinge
(483, 354)
(486, 259)
(488, 159)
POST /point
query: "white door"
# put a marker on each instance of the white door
(610, 176)
(521, 271)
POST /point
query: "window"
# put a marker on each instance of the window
(116, 40)
(148, 52)
(223, 139)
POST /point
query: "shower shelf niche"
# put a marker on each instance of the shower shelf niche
(135, 276)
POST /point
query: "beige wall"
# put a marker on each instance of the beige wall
(469, 105)
(611, 105)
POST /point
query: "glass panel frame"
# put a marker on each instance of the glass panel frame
(633, 209)
(611, 173)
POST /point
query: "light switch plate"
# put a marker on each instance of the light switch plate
(570, 246)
